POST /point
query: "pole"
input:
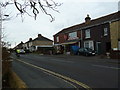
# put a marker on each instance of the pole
(0, 48)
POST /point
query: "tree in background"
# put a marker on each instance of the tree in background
(33, 7)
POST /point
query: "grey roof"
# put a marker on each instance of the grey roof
(41, 38)
(107, 18)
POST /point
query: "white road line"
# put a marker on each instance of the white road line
(106, 67)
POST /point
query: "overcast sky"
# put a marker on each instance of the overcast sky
(72, 12)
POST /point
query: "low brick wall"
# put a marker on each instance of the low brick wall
(115, 54)
(15, 81)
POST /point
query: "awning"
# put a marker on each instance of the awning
(69, 42)
(57, 44)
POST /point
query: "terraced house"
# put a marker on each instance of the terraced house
(40, 44)
(99, 34)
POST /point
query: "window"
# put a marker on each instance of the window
(105, 31)
(86, 44)
(89, 44)
(57, 38)
(72, 36)
(87, 33)
(30, 44)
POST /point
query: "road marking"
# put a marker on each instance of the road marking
(61, 61)
(61, 79)
(59, 75)
(106, 67)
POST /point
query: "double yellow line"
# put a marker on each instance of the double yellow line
(58, 75)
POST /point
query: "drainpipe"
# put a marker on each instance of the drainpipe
(81, 38)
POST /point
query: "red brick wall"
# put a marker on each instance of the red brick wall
(79, 34)
(64, 37)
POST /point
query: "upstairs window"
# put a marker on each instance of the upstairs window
(105, 31)
(87, 33)
(57, 38)
(72, 36)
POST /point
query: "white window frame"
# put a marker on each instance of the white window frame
(90, 44)
(105, 31)
(57, 38)
(87, 33)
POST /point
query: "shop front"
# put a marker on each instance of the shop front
(70, 47)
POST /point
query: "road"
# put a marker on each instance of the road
(90, 71)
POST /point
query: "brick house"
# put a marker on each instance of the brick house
(27, 45)
(94, 34)
(40, 44)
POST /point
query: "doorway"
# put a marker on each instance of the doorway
(98, 48)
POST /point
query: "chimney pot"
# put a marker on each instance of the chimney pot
(87, 19)
(39, 35)
(30, 39)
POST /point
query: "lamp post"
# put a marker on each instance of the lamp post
(1, 19)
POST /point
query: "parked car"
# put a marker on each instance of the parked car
(22, 51)
(27, 51)
(86, 52)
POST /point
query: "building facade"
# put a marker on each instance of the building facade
(115, 34)
(94, 34)
(40, 44)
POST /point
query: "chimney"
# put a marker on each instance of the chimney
(21, 42)
(39, 35)
(87, 19)
(30, 39)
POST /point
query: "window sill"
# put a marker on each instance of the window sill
(87, 37)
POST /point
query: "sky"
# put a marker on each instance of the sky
(72, 12)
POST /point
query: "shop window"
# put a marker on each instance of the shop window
(72, 36)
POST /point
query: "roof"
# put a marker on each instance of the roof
(104, 19)
(21, 43)
(42, 38)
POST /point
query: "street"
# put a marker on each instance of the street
(62, 71)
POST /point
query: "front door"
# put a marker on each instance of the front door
(108, 46)
(98, 48)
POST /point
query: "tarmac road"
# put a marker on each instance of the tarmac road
(91, 71)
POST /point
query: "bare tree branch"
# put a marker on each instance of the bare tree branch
(23, 5)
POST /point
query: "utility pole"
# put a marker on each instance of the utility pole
(0, 48)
